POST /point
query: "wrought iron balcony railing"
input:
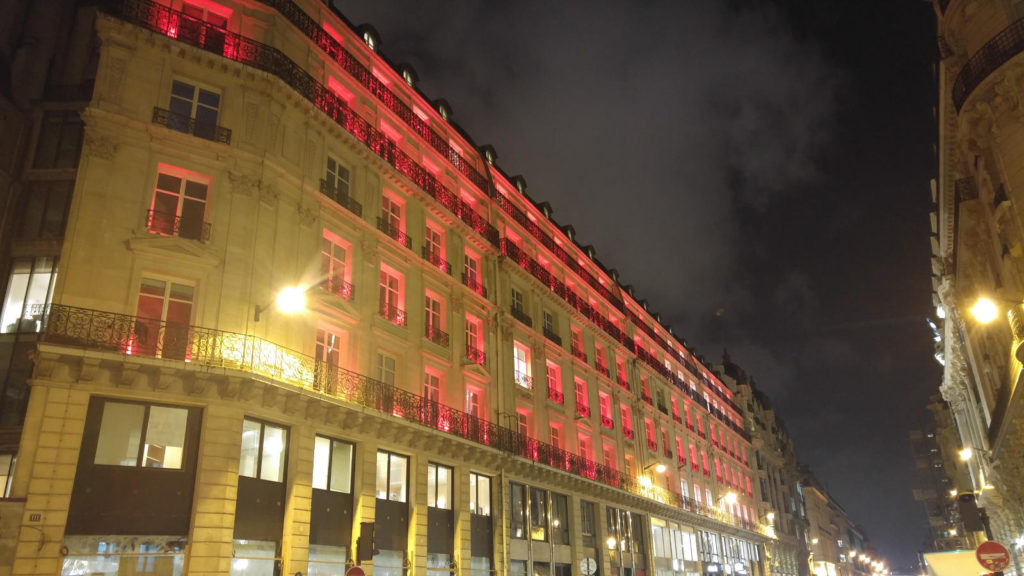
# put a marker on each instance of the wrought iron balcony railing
(602, 369)
(628, 433)
(475, 355)
(652, 445)
(996, 52)
(582, 410)
(341, 197)
(174, 225)
(338, 286)
(474, 285)
(392, 314)
(394, 232)
(646, 397)
(127, 336)
(521, 315)
(623, 382)
(550, 335)
(436, 336)
(523, 380)
(436, 260)
(578, 352)
(607, 422)
(554, 394)
(189, 125)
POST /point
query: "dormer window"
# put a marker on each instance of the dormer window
(370, 40)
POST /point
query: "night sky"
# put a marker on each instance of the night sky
(758, 170)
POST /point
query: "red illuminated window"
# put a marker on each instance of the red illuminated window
(434, 315)
(582, 404)
(335, 265)
(554, 377)
(718, 471)
(620, 372)
(689, 420)
(704, 463)
(693, 457)
(473, 401)
(609, 456)
(434, 243)
(555, 435)
(392, 288)
(645, 389)
(585, 449)
(474, 339)
(432, 386)
(604, 402)
(652, 442)
(164, 314)
(680, 452)
(675, 409)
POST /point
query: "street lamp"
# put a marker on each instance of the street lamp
(966, 454)
(290, 300)
(984, 310)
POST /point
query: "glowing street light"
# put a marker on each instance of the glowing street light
(984, 310)
(966, 454)
(290, 300)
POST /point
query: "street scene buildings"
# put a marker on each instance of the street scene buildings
(268, 310)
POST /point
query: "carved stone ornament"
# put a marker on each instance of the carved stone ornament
(100, 145)
(243, 184)
(307, 214)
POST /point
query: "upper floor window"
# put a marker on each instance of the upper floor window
(391, 213)
(164, 314)
(338, 178)
(620, 370)
(264, 447)
(473, 396)
(392, 476)
(649, 429)
(521, 365)
(392, 304)
(555, 435)
(474, 339)
(549, 323)
(386, 369)
(179, 204)
(141, 435)
(675, 409)
(517, 516)
(559, 518)
(433, 313)
(59, 144)
(523, 421)
(432, 386)
(193, 110)
(585, 446)
(29, 290)
(517, 300)
(627, 420)
(554, 378)
(328, 347)
(433, 246)
(609, 456)
(479, 494)
(600, 358)
(332, 465)
(439, 486)
(582, 402)
(471, 275)
(210, 13)
(336, 265)
(604, 402)
(43, 209)
(538, 514)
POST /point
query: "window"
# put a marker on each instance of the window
(620, 371)
(337, 179)
(162, 301)
(434, 315)
(684, 488)
(538, 514)
(332, 465)
(328, 347)
(386, 369)
(479, 494)
(649, 430)
(554, 378)
(608, 452)
(264, 447)
(432, 387)
(216, 18)
(555, 435)
(577, 343)
(604, 403)
(675, 409)
(549, 324)
(433, 247)
(521, 365)
(697, 494)
(392, 306)
(474, 339)
(627, 420)
(582, 403)
(141, 435)
(693, 457)
(179, 204)
(7, 464)
(471, 276)
(559, 519)
(645, 389)
(523, 421)
(473, 402)
(601, 358)
(335, 265)
(680, 452)
(391, 215)
(517, 517)
(59, 145)
(588, 523)
(392, 476)
(193, 110)
(439, 486)
(586, 450)
(42, 212)
(517, 301)
(29, 291)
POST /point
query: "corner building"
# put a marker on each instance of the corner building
(469, 390)
(978, 250)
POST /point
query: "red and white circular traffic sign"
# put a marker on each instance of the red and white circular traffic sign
(993, 556)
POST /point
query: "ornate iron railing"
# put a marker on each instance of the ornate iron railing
(582, 409)
(475, 355)
(175, 225)
(338, 286)
(523, 380)
(996, 52)
(341, 197)
(394, 232)
(607, 422)
(474, 285)
(436, 336)
(392, 314)
(554, 394)
(628, 433)
(436, 260)
(578, 352)
(602, 369)
(189, 125)
(550, 335)
(521, 315)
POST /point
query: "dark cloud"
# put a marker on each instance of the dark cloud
(757, 169)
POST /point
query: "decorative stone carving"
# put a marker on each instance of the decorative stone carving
(269, 196)
(307, 214)
(88, 369)
(100, 145)
(243, 184)
(195, 384)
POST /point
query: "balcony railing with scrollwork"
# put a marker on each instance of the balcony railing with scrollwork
(523, 380)
(189, 228)
(341, 197)
(189, 125)
(628, 433)
(519, 314)
(436, 260)
(607, 422)
(437, 336)
(582, 409)
(475, 355)
(127, 336)
(394, 232)
(474, 285)
(392, 314)
(578, 353)
(550, 335)
(337, 285)
(554, 394)
(623, 381)
(602, 369)
(652, 445)
(646, 397)
(996, 52)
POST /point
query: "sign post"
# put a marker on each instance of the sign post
(993, 556)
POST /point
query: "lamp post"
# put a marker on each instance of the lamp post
(290, 300)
